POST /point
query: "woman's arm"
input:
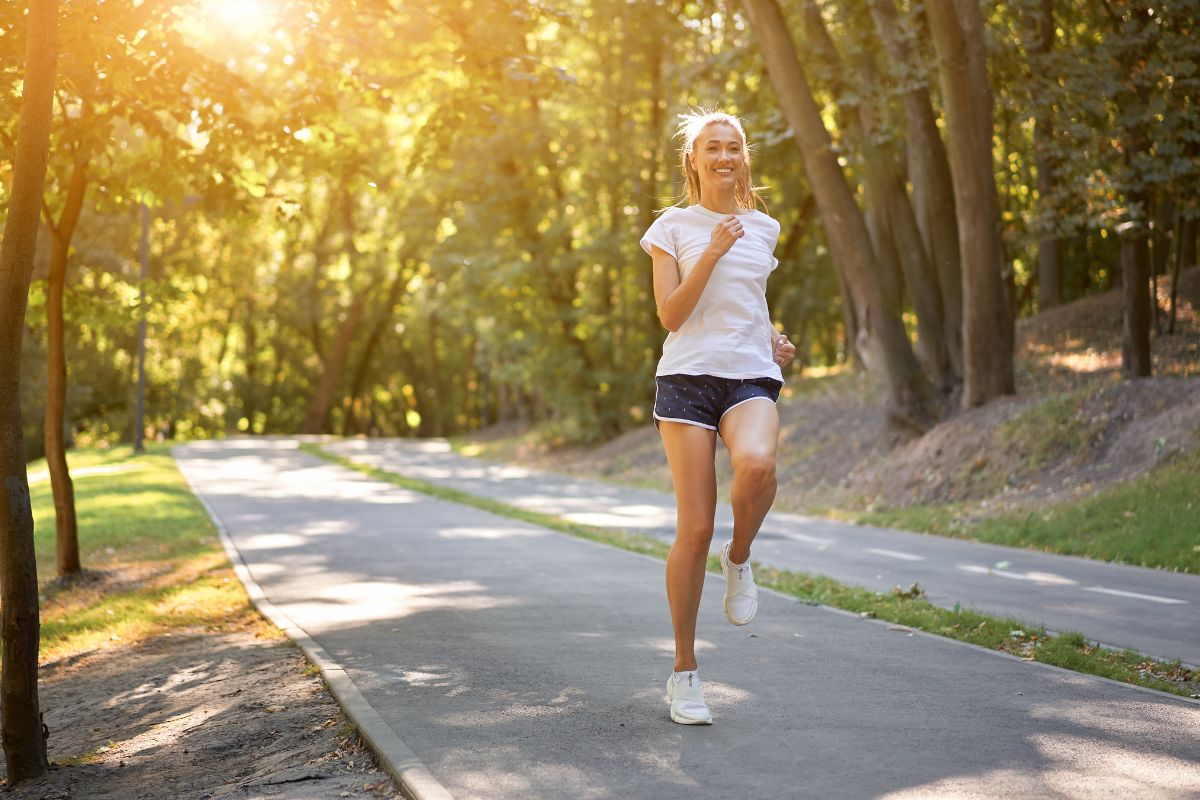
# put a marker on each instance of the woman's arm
(675, 299)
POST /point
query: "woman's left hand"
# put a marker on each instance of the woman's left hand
(785, 351)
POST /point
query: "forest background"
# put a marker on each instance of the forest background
(420, 219)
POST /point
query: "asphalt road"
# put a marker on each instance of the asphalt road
(1152, 611)
(517, 662)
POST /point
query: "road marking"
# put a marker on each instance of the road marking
(1153, 598)
(1044, 578)
(894, 554)
(803, 537)
(999, 573)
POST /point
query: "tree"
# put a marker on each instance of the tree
(54, 423)
(886, 345)
(109, 83)
(24, 745)
(898, 242)
(928, 170)
(1126, 80)
(957, 28)
(1049, 241)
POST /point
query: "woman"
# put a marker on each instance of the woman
(720, 373)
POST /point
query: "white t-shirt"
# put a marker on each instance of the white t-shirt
(729, 333)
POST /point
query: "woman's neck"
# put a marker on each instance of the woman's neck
(720, 202)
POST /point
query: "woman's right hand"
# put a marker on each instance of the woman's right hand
(727, 231)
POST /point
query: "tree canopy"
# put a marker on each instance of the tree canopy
(421, 218)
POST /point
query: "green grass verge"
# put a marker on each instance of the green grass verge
(152, 558)
(1150, 522)
(129, 507)
(902, 607)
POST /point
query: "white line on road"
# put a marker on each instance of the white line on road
(1153, 598)
(803, 537)
(894, 554)
(999, 573)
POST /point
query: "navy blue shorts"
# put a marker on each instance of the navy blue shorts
(703, 399)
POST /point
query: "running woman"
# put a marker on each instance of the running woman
(720, 373)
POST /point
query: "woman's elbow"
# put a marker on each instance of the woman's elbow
(668, 321)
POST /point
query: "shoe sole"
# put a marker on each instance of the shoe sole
(725, 602)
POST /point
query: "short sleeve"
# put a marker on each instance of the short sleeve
(662, 234)
(774, 244)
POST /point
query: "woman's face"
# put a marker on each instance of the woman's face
(718, 157)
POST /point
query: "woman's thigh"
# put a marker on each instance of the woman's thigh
(690, 454)
(750, 432)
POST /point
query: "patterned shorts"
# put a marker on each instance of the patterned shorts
(703, 400)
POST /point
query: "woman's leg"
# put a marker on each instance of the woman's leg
(751, 434)
(690, 453)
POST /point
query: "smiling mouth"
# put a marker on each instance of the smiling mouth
(724, 170)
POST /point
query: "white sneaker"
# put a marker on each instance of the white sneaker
(686, 699)
(741, 595)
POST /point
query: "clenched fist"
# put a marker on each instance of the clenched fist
(785, 351)
(727, 231)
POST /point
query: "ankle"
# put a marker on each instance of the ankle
(686, 666)
(739, 557)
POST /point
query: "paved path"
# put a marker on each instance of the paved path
(1152, 611)
(517, 662)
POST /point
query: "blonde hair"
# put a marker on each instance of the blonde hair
(690, 127)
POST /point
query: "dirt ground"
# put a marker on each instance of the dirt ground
(198, 715)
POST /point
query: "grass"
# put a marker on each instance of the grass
(902, 606)
(1149, 522)
(153, 562)
(1051, 429)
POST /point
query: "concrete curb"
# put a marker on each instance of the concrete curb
(397, 758)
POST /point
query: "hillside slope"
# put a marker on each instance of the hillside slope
(1072, 429)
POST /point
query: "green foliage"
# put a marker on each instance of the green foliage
(440, 206)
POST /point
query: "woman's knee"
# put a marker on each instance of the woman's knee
(755, 468)
(694, 538)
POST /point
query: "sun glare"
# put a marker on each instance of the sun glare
(246, 18)
(236, 11)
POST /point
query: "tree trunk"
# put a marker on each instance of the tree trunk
(884, 342)
(331, 374)
(1049, 242)
(933, 189)
(54, 423)
(20, 715)
(897, 240)
(1135, 281)
(251, 396)
(334, 362)
(1185, 258)
(957, 28)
